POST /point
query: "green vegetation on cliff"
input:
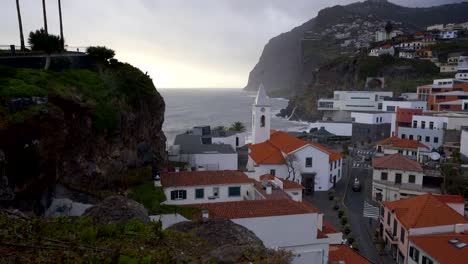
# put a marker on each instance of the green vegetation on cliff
(103, 91)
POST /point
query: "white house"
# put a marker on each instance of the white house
(406, 147)
(425, 129)
(382, 50)
(436, 27)
(192, 187)
(287, 157)
(448, 34)
(202, 155)
(395, 177)
(344, 129)
(354, 101)
(464, 145)
(462, 73)
(371, 118)
(439, 248)
(283, 224)
(406, 54)
(390, 105)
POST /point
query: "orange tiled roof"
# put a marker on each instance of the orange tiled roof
(198, 178)
(450, 198)
(287, 185)
(396, 162)
(328, 228)
(267, 177)
(438, 247)
(271, 151)
(344, 253)
(424, 211)
(402, 143)
(255, 208)
(276, 193)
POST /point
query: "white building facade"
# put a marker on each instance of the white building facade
(354, 101)
(392, 106)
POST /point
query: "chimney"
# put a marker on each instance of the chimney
(205, 215)
(268, 189)
(458, 228)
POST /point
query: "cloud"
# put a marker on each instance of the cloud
(205, 43)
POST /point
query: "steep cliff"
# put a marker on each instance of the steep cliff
(290, 61)
(83, 129)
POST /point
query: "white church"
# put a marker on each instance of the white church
(279, 154)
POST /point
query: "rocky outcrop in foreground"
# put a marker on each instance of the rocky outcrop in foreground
(117, 209)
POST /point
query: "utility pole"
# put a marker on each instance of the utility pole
(62, 40)
(20, 22)
(45, 16)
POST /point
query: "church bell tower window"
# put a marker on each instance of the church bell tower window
(262, 121)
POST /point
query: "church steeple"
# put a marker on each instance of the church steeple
(261, 115)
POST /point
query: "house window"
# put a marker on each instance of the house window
(199, 193)
(395, 226)
(384, 176)
(412, 179)
(262, 121)
(414, 254)
(331, 166)
(273, 172)
(339, 162)
(402, 234)
(423, 124)
(415, 124)
(178, 195)
(335, 164)
(216, 191)
(428, 139)
(411, 137)
(403, 136)
(234, 191)
(431, 125)
(419, 138)
(377, 120)
(339, 173)
(426, 260)
(388, 217)
(237, 141)
(397, 178)
(308, 162)
(381, 120)
(436, 140)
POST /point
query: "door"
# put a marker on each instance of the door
(308, 181)
(398, 178)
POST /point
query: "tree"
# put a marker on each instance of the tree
(291, 164)
(44, 13)
(237, 127)
(62, 40)
(41, 41)
(20, 22)
(100, 53)
(389, 27)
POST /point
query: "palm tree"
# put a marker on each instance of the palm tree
(45, 16)
(62, 40)
(237, 127)
(20, 25)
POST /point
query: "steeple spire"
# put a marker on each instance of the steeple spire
(262, 98)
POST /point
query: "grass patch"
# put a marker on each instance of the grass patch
(152, 197)
(21, 116)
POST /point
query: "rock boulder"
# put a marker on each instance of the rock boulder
(117, 209)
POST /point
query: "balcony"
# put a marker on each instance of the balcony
(393, 239)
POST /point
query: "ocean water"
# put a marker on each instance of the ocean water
(186, 108)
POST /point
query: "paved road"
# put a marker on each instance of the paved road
(354, 202)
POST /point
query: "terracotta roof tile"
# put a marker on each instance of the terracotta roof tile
(276, 193)
(396, 162)
(287, 185)
(328, 228)
(438, 247)
(450, 198)
(346, 254)
(402, 143)
(255, 208)
(199, 178)
(424, 211)
(271, 151)
(267, 177)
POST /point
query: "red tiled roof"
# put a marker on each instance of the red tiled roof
(199, 178)
(402, 143)
(328, 228)
(396, 162)
(321, 234)
(424, 211)
(255, 208)
(271, 151)
(276, 193)
(267, 177)
(438, 247)
(450, 198)
(344, 253)
(287, 185)
(406, 114)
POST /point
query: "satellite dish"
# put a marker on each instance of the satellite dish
(434, 156)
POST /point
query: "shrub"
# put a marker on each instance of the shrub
(344, 220)
(347, 229)
(350, 238)
(355, 246)
(41, 41)
(100, 53)
(340, 213)
(336, 206)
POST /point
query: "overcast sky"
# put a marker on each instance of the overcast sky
(191, 43)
